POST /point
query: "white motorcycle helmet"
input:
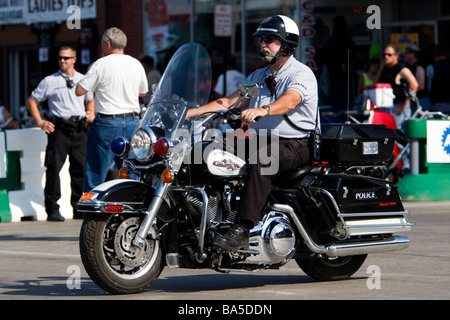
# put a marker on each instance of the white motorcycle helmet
(285, 29)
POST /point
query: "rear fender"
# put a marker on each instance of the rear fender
(122, 195)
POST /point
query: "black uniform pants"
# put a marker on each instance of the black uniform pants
(291, 155)
(62, 143)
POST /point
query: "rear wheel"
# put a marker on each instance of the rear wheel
(111, 259)
(327, 269)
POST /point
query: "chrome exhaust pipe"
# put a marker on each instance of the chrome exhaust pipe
(345, 249)
(351, 249)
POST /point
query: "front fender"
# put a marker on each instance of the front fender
(122, 195)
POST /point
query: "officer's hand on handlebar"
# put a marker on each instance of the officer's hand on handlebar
(250, 115)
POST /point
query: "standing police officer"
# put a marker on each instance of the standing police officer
(65, 126)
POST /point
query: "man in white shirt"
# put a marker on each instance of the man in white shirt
(233, 78)
(118, 80)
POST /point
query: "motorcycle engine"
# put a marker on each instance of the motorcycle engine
(274, 238)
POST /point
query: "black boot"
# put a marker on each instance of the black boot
(55, 217)
(236, 238)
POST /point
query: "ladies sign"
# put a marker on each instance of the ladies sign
(33, 11)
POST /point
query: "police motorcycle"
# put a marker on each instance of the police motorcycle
(181, 193)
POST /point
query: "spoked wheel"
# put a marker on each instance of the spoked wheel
(327, 269)
(111, 259)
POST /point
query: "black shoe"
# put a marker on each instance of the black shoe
(236, 238)
(55, 217)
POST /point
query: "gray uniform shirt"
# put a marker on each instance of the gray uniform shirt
(62, 100)
(293, 75)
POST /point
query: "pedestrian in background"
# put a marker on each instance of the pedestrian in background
(118, 80)
(6, 119)
(65, 125)
(369, 76)
(230, 79)
(153, 76)
(398, 75)
(412, 54)
(439, 80)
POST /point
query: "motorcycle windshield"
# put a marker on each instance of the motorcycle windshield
(186, 83)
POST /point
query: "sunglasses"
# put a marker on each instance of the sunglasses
(388, 54)
(271, 84)
(266, 40)
(64, 58)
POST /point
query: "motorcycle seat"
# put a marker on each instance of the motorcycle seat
(292, 177)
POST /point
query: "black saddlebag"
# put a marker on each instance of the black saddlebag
(354, 144)
(362, 205)
(353, 193)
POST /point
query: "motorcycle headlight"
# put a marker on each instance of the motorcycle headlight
(142, 144)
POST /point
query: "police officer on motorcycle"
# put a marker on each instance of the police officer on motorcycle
(286, 109)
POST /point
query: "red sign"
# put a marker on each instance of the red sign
(307, 32)
(307, 6)
(309, 51)
(223, 14)
(307, 19)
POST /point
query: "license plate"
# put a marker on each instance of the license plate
(370, 148)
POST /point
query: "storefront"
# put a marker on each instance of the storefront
(31, 34)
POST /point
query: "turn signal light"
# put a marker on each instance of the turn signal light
(88, 195)
(123, 173)
(166, 176)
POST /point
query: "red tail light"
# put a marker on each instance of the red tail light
(113, 208)
(387, 204)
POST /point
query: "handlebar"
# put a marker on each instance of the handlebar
(231, 115)
(421, 114)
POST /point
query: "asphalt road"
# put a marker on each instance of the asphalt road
(40, 260)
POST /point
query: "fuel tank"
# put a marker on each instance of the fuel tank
(224, 164)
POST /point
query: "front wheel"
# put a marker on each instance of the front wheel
(110, 258)
(327, 269)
